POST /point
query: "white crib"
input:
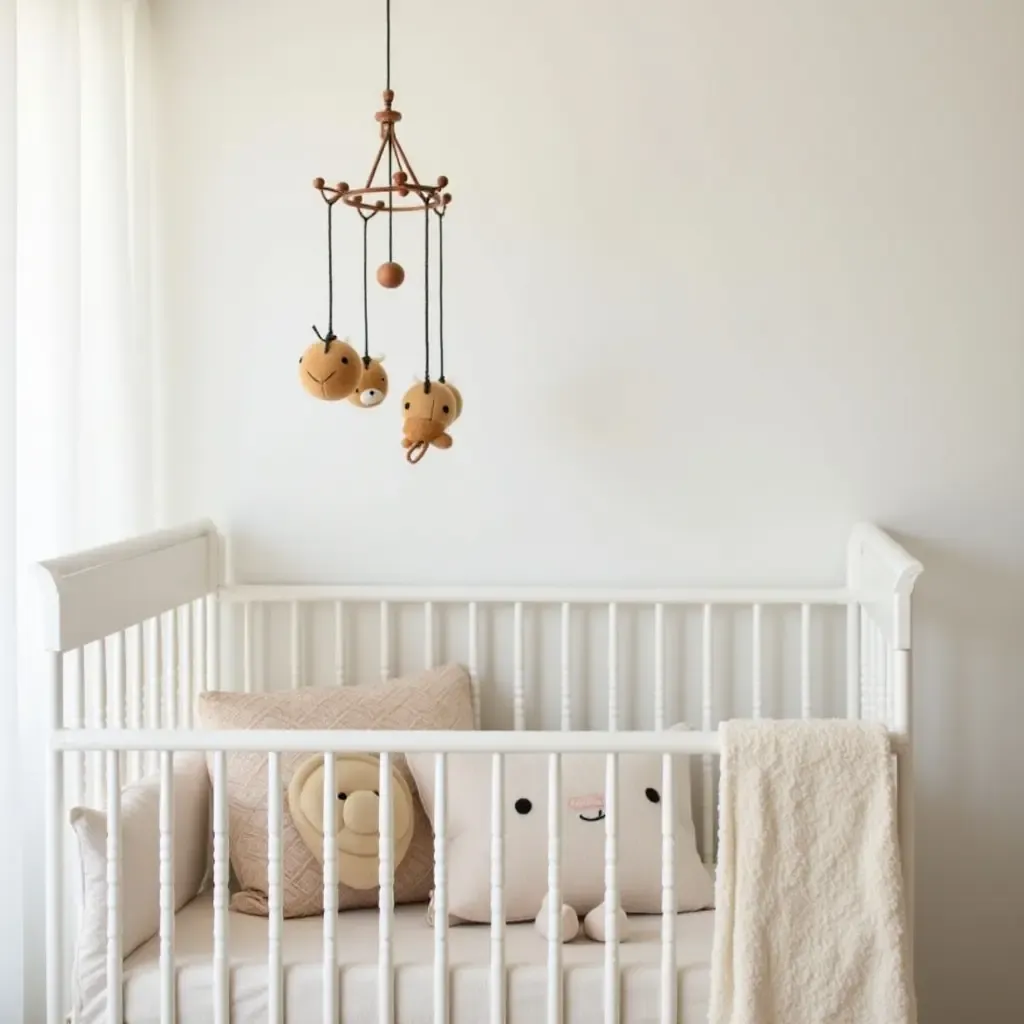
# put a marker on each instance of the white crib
(136, 629)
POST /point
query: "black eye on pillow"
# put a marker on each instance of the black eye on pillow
(523, 806)
(653, 795)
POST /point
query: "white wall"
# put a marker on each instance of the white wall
(724, 278)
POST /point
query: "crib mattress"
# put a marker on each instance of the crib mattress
(469, 953)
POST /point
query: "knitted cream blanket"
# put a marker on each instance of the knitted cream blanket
(809, 923)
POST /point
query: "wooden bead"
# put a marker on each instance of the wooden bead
(390, 275)
(446, 198)
(442, 181)
(341, 188)
(318, 183)
(379, 204)
(399, 177)
(403, 192)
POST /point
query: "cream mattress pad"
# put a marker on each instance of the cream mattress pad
(469, 955)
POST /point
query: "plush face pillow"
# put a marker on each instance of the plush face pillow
(140, 869)
(437, 699)
(583, 834)
(357, 817)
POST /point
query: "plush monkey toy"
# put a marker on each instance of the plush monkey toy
(372, 388)
(428, 410)
(330, 369)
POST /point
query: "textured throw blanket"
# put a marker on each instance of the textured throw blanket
(809, 924)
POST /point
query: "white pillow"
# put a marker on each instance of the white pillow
(583, 833)
(140, 867)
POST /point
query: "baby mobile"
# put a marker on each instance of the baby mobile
(330, 368)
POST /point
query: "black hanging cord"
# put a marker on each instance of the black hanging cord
(440, 290)
(388, 18)
(366, 303)
(367, 217)
(330, 336)
(391, 146)
(426, 298)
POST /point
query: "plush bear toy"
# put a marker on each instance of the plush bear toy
(356, 815)
(372, 388)
(427, 414)
(330, 369)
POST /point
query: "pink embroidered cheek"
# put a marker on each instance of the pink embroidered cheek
(588, 802)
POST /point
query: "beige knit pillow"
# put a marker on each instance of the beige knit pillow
(440, 698)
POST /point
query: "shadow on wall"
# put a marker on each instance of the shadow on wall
(968, 684)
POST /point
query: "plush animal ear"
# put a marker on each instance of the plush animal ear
(379, 359)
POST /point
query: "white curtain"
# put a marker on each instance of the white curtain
(87, 395)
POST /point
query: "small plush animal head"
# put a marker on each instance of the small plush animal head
(330, 370)
(356, 814)
(428, 414)
(458, 398)
(372, 388)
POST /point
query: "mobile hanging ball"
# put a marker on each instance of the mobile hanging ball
(330, 369)
(372, 388)
(390, 275)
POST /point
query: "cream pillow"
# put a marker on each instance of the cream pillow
(583, 834)
(140, 868)
(440, 698)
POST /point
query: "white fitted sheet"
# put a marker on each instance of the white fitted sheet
(469, 953)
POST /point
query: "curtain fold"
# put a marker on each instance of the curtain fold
(86, 404)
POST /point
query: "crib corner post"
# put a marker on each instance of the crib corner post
(55, 1008)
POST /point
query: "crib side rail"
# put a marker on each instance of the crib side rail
(328, 743)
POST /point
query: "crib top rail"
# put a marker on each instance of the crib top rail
(378, 741)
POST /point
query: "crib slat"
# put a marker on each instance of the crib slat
(659, 666)
(173, 678)
(114, 959)
(757, 682)
(187, 667)
(554, 889)
(805, 661)
(154, 691)
(166, 825)
(77, 721)
(611, 890)
(330, 979)
(339, 643)
(296, 638)
(428, 634)
(440, 890)
(55, 824)
(275, 881)
(613, 667)
(385, 642)
(474, 670)
(852, 662)
(247, 630)
(518, 696)
(213, 630)
(221, 896)
(668, 893)
(566, 717)
(386, 899)
(202, 646)
(497, 992)
(706, 725)
(99, 791)
(135, 702)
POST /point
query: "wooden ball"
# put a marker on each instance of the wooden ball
(399, 177)
(341, 188)
(318, 183)
(390, 275)
(446, 198)
(442, 181)
(379, 205)
(403, 192)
